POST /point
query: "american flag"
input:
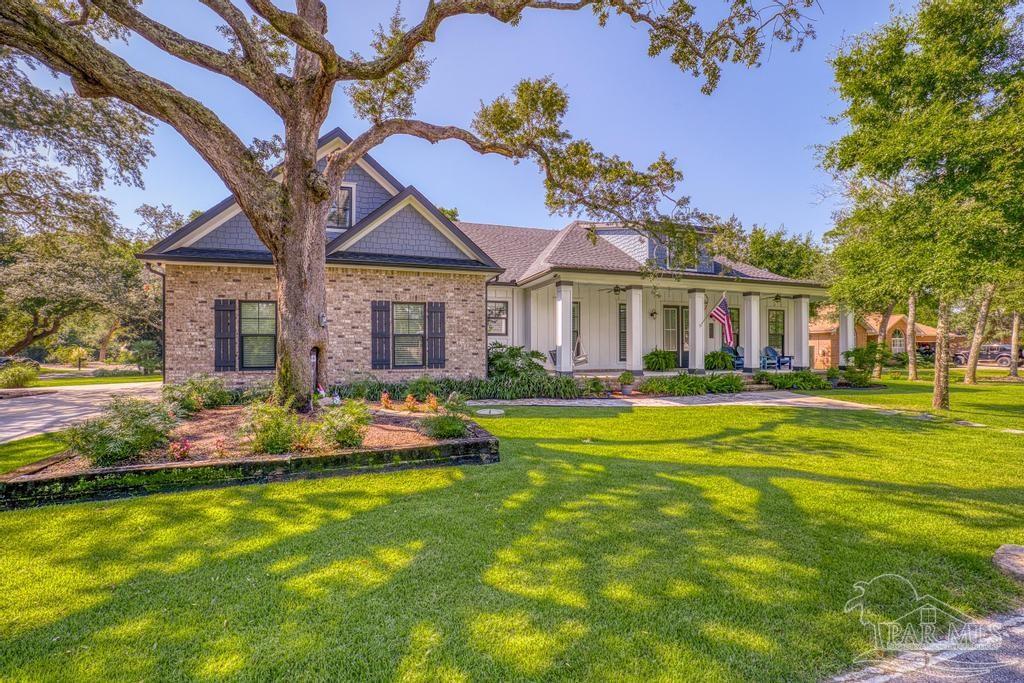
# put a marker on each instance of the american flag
(721, 314)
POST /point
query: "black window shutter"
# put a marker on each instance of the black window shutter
(435, 334)
(224, 335)
(380, 335)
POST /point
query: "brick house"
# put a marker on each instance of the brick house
(825, 335)
(410, 292)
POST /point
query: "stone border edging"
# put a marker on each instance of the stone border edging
(21, 489)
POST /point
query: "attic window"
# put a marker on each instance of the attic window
(661, 256)
(340, 215)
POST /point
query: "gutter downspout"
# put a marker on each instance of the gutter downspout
(163, 317)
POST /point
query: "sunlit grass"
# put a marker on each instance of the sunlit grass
(24, 451)
(80, 381)
(714, 543)
(998, 404)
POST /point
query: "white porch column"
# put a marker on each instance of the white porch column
(750, 331)
(802, 330)
(847, 334)
(563, 328)
(635, 329)
(698, 331)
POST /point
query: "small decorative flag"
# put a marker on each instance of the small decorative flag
(721, 314)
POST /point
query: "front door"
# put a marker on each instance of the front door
(676, 333)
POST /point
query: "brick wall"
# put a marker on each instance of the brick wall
(191, 291)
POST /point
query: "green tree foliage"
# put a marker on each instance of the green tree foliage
(795, 256)
(930, 161)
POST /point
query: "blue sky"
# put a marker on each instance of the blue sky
(747, 149)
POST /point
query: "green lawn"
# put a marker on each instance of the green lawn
(23, 451)
(713, 543)
(999, 404)
(78, 381)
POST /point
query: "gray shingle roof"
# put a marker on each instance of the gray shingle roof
(527, 252)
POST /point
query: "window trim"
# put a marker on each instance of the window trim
(735, 326)
(488, 318)
(898, 334)
(781, 348)
(396, 335)
(242, 367)
(623, 332)
(351, 214)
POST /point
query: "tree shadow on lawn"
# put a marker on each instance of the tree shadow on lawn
(557, 563)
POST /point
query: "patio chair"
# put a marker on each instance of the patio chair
(737, 356)
(773, 360)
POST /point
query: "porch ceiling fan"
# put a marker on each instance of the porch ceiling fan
(617, 289)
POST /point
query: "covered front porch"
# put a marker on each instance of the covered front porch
(593, 324)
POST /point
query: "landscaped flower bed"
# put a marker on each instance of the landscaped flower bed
(139, 446)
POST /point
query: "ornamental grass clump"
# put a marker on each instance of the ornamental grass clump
(127, 428)
(196, 393)
(17, 375)
(345, 425)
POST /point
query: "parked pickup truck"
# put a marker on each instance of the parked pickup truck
(991, 353)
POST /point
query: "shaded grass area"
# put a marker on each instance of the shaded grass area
(15, 454)
(711, 543)
(998, 404)
(78, 381)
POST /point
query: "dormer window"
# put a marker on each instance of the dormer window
(340, 215)
(661, 256)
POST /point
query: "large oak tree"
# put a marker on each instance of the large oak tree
(284, 57)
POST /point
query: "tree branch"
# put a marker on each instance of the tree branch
(97, 72)
(197, 53)
(250, 43)
(302, 32)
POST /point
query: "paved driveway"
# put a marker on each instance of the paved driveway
(31, 415)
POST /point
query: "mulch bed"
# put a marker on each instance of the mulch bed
(215, 436)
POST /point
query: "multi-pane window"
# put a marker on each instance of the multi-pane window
(899, 342)
(409, 336)
(622, 332)
(661, 256)
(257, 332)
(734, 315)
(777, 329)
(340, 214)
(497, 317)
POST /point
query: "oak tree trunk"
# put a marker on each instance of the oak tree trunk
(912, 337)
(1015, 346)
(971, 373)
(883, 329)
(940, 388)
(106, 339)
(301, 299)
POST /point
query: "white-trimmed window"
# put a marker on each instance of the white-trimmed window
(898, 341)
(341, 214)
(257, 335)
(410, 335)
(497, 318)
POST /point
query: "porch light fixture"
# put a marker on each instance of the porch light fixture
(654, 313)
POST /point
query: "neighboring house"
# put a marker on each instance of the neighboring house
(825, 335)
(409, 292)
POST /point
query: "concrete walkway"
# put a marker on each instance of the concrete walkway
(750, 398)
(32, 415)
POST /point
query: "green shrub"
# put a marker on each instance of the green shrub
(197, 393)
(724, 384)
(72, 355)
(718, 360)
(659, 360)
(511, 387)
(115, 372)
(800, 380)
(17, 375)
(857, 378)
(513, 361)
(593, 386)
(125, 429)
(259, 392)
(455, 404)
(867, 356)
(422, 387)
(345, 425)
(627, 378)
(273, 428)
(146, 355)
(832, 373)
(444, 426)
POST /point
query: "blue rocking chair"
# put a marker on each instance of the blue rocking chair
(773, 360)
(737, 356)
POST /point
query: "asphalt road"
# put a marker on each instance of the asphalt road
(31, 415)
